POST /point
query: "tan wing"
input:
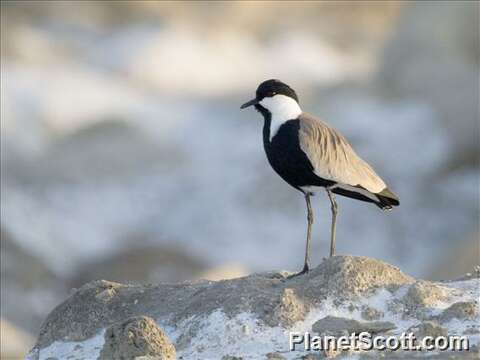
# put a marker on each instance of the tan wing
(332, 156)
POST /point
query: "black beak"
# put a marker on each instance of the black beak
(249, 103)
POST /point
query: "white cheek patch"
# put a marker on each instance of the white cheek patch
(282, 108)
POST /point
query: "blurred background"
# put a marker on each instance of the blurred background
(124, 155)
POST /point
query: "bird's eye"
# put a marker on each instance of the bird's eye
(271, 93)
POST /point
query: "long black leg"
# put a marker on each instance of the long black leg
(306, 265)
(334, 208)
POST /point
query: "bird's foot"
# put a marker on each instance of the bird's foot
(306, 269)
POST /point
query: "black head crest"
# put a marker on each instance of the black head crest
(273, 87)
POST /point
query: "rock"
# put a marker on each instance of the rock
(460, 310)
(369, 313)
(428, 328)
(220, 318)
(348, 276)
(137, 338)
(337, 326)
(275, 356)
(312, 357)
(272, 298)
(331, 353)
(472, 330)
(424, 294)
(472, 354)
(289, 309)
(107, 294)
(95, 303)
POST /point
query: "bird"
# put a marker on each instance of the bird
(310, 155)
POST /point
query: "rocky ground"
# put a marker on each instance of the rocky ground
(106, 181)
(250, 317)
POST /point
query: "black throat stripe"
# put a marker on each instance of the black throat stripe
(287, 158)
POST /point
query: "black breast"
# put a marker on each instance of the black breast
(287, 158)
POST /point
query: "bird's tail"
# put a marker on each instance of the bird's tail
(387, 199)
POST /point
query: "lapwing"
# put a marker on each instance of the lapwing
(310, 155)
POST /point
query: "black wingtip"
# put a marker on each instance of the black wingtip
(387, 199)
